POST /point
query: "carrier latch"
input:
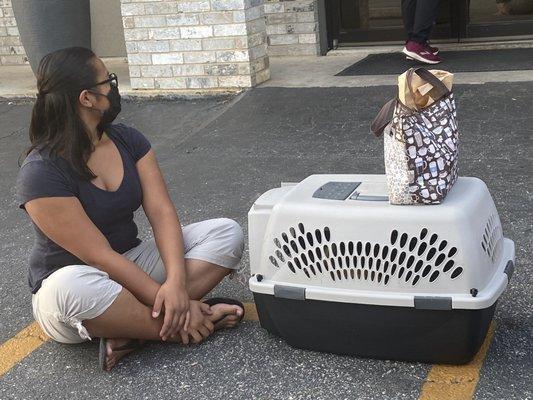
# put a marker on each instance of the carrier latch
(289, 292)
(433, 303)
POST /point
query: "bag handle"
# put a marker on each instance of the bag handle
(440, 87)
(382, 119)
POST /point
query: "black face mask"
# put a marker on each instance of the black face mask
(109, 115)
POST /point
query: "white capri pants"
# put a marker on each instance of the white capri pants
(75, 293)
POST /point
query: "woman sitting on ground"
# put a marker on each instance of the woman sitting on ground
(81, 181)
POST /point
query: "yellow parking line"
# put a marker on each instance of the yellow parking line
(456, 382)
(19, 346)
(250, 312)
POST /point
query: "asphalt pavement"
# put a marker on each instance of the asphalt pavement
(218, 155)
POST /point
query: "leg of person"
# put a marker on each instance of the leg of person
(425, 16)
(78, 302)
(213, 248)
(408, 15)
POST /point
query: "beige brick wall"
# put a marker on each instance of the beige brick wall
(11, 49)
(292, 27)
(192, 44)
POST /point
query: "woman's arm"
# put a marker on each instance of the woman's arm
(163, 218)
(63, 220)
(166, 226)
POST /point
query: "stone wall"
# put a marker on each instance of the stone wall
(11, 49)
(292, 27)
(195, 44)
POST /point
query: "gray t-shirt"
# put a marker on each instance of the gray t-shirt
(45, 175)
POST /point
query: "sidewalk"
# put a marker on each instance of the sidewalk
(218, 155)
(303, 71)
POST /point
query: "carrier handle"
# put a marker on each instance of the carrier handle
(382, 119)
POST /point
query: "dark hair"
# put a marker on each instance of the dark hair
(55, 123)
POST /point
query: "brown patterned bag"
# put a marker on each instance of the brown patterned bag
(421, 145)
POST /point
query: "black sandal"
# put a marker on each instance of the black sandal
(224, 300)
(134, 344)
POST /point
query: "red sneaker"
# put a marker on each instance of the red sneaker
(420, 52)
(434, 50)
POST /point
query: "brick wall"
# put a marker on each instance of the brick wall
(195, 44)
(11, 50)
(292, 27)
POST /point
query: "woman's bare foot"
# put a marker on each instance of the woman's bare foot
(233, 315)
(125, 347)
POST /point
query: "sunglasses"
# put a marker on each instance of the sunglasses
(112, 80)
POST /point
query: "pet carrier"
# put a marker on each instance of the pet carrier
(336, 268)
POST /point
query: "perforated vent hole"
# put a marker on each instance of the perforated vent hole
(422, 248)
(393, 236)
(434, 276)
(318, 267)
(293, 232)
(350, 248)
(492, 238)
(294, 246)
(311, 256)
(327, 234)
(318, 236)
(423, 233)
(401, 259)
(456, 272)
(342, 247)
(431, 253)
(448, 266)
(412, 244)
(291, 267)
(301, 228)
(403, 239)
(274, 261)
(280, 256)
(393, 254)
(309, 238)
(302, 242)
(277, 243)
(443, 245)
(433, 239)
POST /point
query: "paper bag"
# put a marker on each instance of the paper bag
(423, 92)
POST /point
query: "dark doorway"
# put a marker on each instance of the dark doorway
(356, 22)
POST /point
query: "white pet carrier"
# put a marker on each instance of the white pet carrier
(336, 268)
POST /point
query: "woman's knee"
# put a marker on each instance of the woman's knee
(71, 295)
(235, 235)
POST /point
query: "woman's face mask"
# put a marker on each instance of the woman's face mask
(109, 115)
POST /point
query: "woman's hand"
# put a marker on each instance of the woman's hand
(200, 327)
(174, 299)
